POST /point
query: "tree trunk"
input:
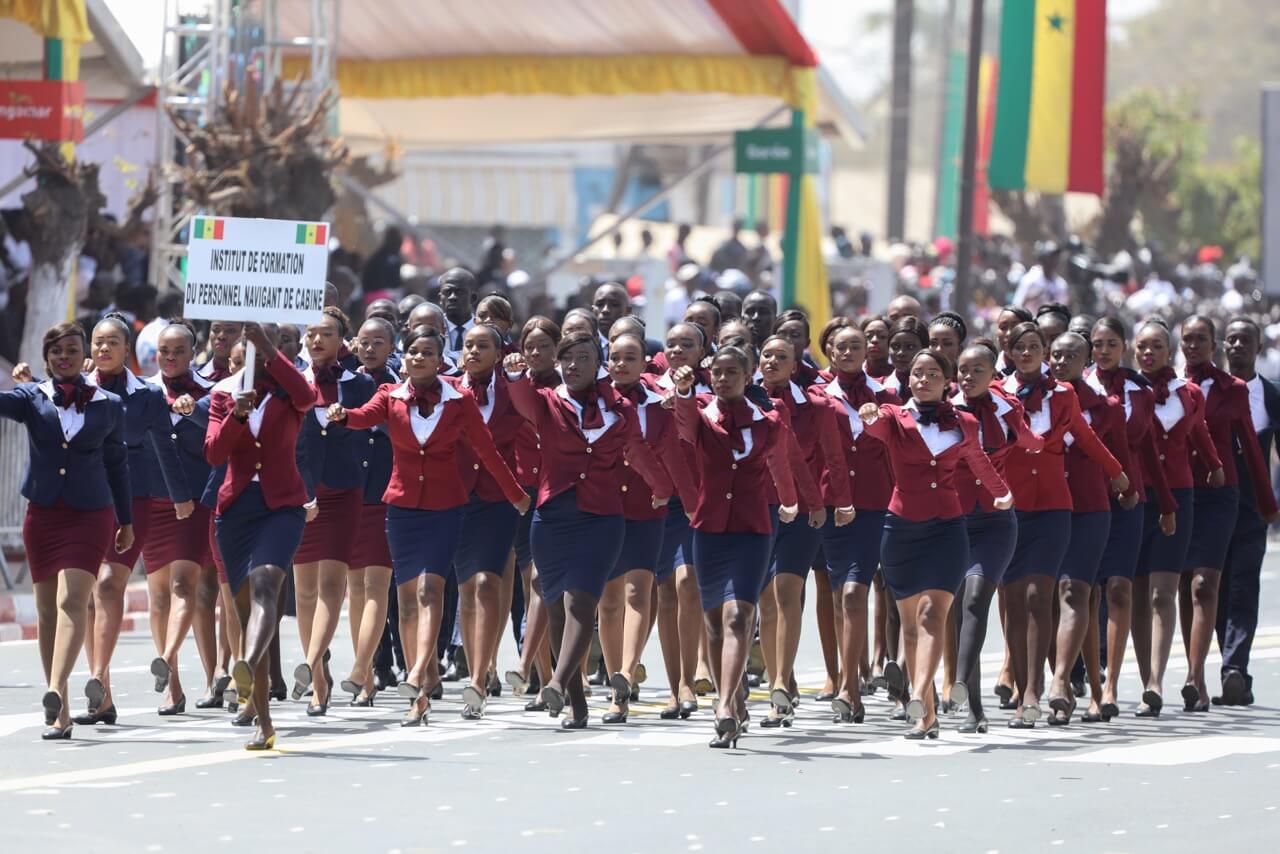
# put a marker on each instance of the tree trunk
(900, 119)
(48, 296)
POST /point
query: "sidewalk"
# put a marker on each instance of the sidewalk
(18, 611)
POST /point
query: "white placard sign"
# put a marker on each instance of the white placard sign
(267, 270)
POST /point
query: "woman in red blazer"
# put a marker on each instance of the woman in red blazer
(924, 546)
(1179, 425)
(738, 447)
(484, 552)
(538, 341)
(1230, 423)
(586, 428)
(1147, 479)
(851, 553)
(260, 513)
(1039, 484)
(625, 614)
(991, 533)
(427, 420)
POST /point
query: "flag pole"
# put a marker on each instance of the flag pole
(969, 164)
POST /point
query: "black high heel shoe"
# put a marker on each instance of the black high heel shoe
(363, 700)
(687, 707)
(170, 709)
(244, 719)
(973, 725)
(492, 686)
(302, 679)
(727, 733)
(670, 713)
(554, 700)
(96, 717)
(54, 733)
(52, 703)
(895, 681)
(1152, 703)
(618, 717)
(921, 734)
(574, 723)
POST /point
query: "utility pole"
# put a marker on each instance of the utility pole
(969, 163)
(900, 119)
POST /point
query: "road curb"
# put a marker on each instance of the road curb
(18, 613)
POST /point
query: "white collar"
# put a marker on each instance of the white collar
(1011, 385)
(797, 394)
(404, 391)
(231, 384)
(47, 388)
(493, 381)
(833, 389)
(712, 410)
(650, 396)
(131, 382)
(1096, 384)
(1002, 405)
(310, 374)
(203, 382)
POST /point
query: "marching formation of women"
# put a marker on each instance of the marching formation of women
(426, 471)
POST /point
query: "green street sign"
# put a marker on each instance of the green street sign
(789, 150)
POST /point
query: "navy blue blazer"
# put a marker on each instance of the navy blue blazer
(154, 466)
(335, 455)
(187, 434)
(1266, 439)
(90, 470)
(377, 457)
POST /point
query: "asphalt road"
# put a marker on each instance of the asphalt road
(355, 781)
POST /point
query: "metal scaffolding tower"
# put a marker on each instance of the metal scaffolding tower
(219, 43)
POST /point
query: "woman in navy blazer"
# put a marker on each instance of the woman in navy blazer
(334, 476)
(155, 469)
(427, 420)
(260, 512)
(79, 471)
(924, 547)
(586, 428)
(176, 552)
(370, 576)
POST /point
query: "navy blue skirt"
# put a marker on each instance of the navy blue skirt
(488, 532)
(1215, 521)
(992, 537)
(640, 546)
(1124, 541)
(1166, 554)
(252, 534)
(920, 556)
(730, 566)
(794, 547)
(524, 554)
(853, 552)
(573, 549)
(1043, 537)
(677, 541)
(422, 541)
(1088, 541)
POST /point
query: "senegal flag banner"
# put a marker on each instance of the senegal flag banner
(1052, 85)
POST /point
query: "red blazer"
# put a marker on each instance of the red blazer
(1227, 414)
(733, 494)
(997, 448)
(924, 484)
(1173, 441)
(1144, 470)
(595, 469)
(504, 426)
(269, 455)
(866, 458)
(426, 476)
(812, 415)
(1039, 480)
(1090, 491)
(658, 427)
(528, 449)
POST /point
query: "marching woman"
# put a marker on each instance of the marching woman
(907, 336)
(176, 548)
(852, 551)
(876, 330)
(811, 416)
(427, 420)
(625, 614)
(1039, 483)
(489, 524)
(260, 514)
(1148, 481)
(369, 579)
(924, 545)
(335, 477)
(77, 491)
(585, 428)
(991, 532)
(538, 341)
(680, 627)
(1230, 424)
(739, 447)
(1009, 317)
(147, 433)
(1179, 414)
(1090, 528)
(223, 335)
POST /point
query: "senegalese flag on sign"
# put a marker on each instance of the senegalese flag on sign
(205, 228)
(1048, 134)
(310, 234)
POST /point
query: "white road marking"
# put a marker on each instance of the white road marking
(1176, 751)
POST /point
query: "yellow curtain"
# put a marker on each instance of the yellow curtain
(471, 76)
(52, 19)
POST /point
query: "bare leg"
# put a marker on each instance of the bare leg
(637, 619)
(306, 592)
(882, 616)
(827, 634)
(1092, 660)
(928, 610)
(950, 650)
(669, 640)
(1015, 621)
(331, 588)
(1119, 608)
(184, 575)
(1141, 626)
(789, 590)
(356, 599)
(689, 617)
(204, 624)
(375, 582)
(1073, 626)
(770, 640)
(610, 616)
(728, 634)
(75, 586)
(577, 610)
(1164, 625)
(159, 600)
(108, 613)
(484, 590)
(506, 591)
(853, 639)
(1204, 608)
(46, 593)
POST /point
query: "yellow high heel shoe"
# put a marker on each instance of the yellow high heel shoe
(256, 743)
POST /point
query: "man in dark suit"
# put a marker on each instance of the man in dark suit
(1240, 585)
